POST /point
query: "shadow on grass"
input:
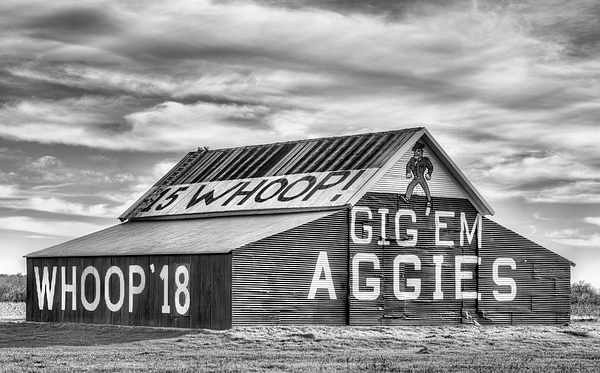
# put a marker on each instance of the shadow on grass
(33, 335)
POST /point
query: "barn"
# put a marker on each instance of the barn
(370, 229)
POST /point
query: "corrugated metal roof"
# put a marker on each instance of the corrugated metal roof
(183, 236)
(234, 175)
(355, 152)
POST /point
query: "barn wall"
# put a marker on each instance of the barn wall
(541, 280)
(272, 278)
(202, 300)
(451, 282)
(381, 298)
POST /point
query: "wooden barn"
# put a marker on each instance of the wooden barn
(371, 229)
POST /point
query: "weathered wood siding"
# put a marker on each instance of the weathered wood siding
(272, 278)
(197, 292)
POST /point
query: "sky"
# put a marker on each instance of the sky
(98, 99)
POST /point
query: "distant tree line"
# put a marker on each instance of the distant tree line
(584, 293)
(13, 288)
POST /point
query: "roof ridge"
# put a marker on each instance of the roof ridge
(414, 129)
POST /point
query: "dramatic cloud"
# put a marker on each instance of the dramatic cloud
(593, 220)
(58, 206)
(7, 191)
(573, 237)
(48, 185)
(67, 229)
(50, 171)
(371, 66)
(536, 176)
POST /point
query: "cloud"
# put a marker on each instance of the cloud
(59, 206)
(74, 22)
(574, 237)
(538, 216)
(100, 158)
(47, 184)
(8, 191)
(47, 162)
(509, 88)
(577, 192)
(160, 169)
(592, 220)
(48, 172)
(171, 125)
(10, 154)
(68, 229)
(537, 175)
(167, 126)
(67, 121)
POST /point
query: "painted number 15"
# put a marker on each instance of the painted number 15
(182, 283)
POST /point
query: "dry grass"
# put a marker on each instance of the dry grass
(585, 312)
(26, 347)
(32, 347)
(12, 311)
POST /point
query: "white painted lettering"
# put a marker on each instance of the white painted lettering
(114, 270)
(327, 282)
(438, 293)
(464, 229)
(182, 289)
(46, 288)
(504, 281)
(413, 233)
(460, 275)
(135, 289)
(66, 288)
(383, 213)
(366, 228)
(164, 275)
(442, 225)
(410, 282)
(90, 270)
(370, 282)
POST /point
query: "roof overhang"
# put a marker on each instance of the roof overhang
(216, 235)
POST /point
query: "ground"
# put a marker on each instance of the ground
(27, 347)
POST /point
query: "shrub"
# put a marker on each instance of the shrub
(13, 288)
(584, 293)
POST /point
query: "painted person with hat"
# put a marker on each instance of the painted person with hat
(419, 168)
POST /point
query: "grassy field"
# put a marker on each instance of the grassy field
(74, 347)
(32, 347)
(585, 312)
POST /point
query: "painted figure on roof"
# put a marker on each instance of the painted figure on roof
(419, 168)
